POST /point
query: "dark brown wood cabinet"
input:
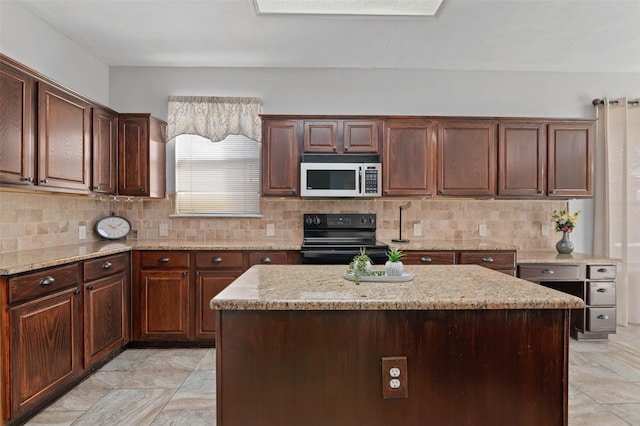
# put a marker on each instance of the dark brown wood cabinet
(499, 260)
(141, 155)
(408, 162)
(418, 257)
(18, 100)
(570, 159)
(522, 159)
(105, 151)
(280, 158)
(341, 136)
(105, 307)
(467, 158)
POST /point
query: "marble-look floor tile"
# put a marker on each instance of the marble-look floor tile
(126, 407)
(630, 413)
(625, 364)
(128, 360)
(157, 377)
(603, 385)
(208, 361)
(584, 411)
(198, 392)
(82, 397)
(182, 359)
(186, 418)
(54, 418)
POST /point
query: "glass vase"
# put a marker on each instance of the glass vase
(564, 246)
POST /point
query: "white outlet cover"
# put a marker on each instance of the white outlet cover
(164, 230)
(271, 230)
(482, 230)
(394, 383)
(82, 232)
(417, 229)
(394, 372)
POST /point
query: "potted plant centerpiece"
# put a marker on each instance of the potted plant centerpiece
(394, 266)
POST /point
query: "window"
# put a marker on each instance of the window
(217, 178)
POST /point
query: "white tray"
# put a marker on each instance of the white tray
(406, 276)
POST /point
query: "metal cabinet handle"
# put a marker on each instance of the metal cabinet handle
(45, 180)
(602, 270)
(601, 290)
(90, 287)
(217, 259)
(185, 273)
(487, 259)
(425, 259)
(266, 260)
(548, 271)
(346, 148)
(603, 317)
(76, 292)
(27, 179)
(47, 281)
(107, 265)
(164, 259)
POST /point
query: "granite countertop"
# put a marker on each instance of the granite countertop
(554, 257)
(323, 287)
(436, 245)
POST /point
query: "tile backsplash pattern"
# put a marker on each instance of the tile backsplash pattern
(37, 220)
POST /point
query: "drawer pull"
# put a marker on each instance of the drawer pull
(602, 270)
(76, 292)
(601, 290)
(164, 259)
(547, 271)
(107, 265)
(426, 259)
(217, 259)
(603, 317)
(487, 259)
(47, 281)
(185, 273)
(266, 260)
(90, 287)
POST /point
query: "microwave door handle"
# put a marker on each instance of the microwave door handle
(360, 180)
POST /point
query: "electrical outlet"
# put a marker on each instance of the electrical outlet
(394, 377)
(271, 230)
(544, 230)
(82, 232)
(482, 230)
(417, 229)
(164, 230)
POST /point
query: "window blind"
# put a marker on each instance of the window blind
(217, 178)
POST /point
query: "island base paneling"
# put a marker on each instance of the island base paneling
(324, 367)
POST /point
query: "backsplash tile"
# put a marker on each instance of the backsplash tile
(42, 220)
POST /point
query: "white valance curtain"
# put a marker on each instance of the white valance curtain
(214, 118)
(617, 198)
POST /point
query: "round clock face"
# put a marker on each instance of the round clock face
(113, 227)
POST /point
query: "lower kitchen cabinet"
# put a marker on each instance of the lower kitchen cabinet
(499, 260)
(593, 283)
(412, 257)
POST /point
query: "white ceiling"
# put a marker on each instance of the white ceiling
(512, 35)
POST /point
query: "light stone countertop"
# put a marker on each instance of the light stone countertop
(525, 257)
(436, 245)
(323, 287)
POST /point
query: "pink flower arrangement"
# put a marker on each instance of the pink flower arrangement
(564, 221)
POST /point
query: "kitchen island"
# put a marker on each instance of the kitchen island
(300, 344)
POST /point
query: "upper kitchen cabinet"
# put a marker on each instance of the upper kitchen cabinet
(466, 158)
(141, 155)
(341, 136)
(64, 140)
(17, 126)
(522, 161)
(570, 159)
(280, 162)
(408, 160)
(105, 151)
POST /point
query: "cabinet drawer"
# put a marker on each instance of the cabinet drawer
(429, 258)
(219, 259)
(601, 319)
(40, 283)
(164, 259)
(489, 259)
(267, 258)
(104, 266)
(601, 293)
(549, 272)
(601, 272)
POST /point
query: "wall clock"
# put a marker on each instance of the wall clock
(113, 227)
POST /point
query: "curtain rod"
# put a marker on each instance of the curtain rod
(598, 101)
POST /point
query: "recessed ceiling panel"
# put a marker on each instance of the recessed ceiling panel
(349, 7)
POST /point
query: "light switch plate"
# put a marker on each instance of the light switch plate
(82, 232)
(164, 230)
(271, 230)
(417, 229)
(482, 230)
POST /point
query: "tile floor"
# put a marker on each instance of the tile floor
(177, 387)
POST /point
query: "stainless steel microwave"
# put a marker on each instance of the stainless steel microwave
(340, 175)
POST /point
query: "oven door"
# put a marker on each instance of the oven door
(331, 180)
(325, 256)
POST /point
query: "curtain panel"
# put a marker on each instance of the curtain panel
(617, 198)
(214, 118)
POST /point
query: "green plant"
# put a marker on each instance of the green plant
(359, 266)
(395, 255)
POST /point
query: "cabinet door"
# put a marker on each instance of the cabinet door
(105, 151)
(17, 126)
(64, 140)
(45, 348)
(466, 158)
(429, 258)
(280, 162)
(105, 317)
(164, 305)
(133, 156)
(208, 284)
(360, 136)
(408, 161)
(522, 161)
(321, 136)
(570, 160)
